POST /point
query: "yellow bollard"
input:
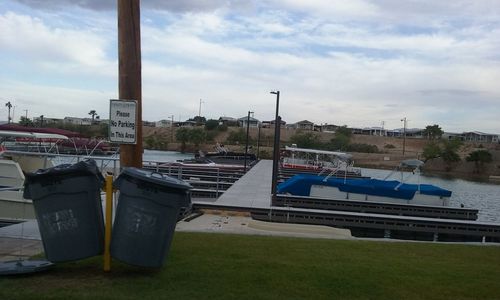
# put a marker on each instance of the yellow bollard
(108, 223)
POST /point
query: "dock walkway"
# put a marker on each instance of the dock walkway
(253, 190)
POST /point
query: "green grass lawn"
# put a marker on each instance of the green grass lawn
(218, 266)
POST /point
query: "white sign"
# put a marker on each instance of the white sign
(123, 121)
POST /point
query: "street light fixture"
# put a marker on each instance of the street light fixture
(276, 147)
(246, 143)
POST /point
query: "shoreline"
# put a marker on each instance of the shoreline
(483, 178)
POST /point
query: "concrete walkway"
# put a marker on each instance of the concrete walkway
(251, 190)
(20, 241)
(230, 223)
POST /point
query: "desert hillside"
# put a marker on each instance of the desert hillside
(390, 149)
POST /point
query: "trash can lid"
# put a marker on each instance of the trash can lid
(156, 178)
(85, 167)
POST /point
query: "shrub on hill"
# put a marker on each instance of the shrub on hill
(307, 140)
(211, 124)
(480, 157)
(238, 137)
(363, 148)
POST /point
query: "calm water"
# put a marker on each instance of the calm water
(165, 156)
(148, 155)
(482, 196)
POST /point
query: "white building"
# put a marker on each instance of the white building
(77, 121)
(164, 123)
(477, 136)
(252, 122)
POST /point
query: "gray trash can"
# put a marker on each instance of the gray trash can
(68, 209)
(146, 215)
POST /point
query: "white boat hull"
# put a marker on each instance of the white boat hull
(14, 207)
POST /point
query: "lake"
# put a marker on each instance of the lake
(479, 195)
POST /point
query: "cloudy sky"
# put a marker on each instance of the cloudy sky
(354, 62)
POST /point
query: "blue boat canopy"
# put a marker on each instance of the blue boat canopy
(300, 185)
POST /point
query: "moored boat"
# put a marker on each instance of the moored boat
(376, 190)
(307, 161)
(201, 163)
(13, 165)
(223, 156)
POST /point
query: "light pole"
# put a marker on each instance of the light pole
(14, 113)
(276, 149)
(199, 109)
(404, 134)
(172, 129)
(258, 143)
(246, 143)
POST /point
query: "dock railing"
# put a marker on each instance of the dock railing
(209, 182)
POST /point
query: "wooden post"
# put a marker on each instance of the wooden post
(129, 69)
(108, 222)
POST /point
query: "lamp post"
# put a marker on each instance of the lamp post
(276, 149)
(258, 143)
(199, 109)
(13, 114)
(404, 134)
(246, 143)
(172, 129)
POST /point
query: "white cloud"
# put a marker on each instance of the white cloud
(334, 9)
(30, 37)
(54, 101)
(177, 6)
(341, 87)
(328, 67)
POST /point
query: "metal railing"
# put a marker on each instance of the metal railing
(211, 182)
(103, 162)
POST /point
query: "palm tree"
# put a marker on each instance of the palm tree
(93, 113)
(9, 105)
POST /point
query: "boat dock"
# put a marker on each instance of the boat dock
(252, 193)
(442, 212)
(253, 190)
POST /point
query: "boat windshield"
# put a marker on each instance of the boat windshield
(294, 156)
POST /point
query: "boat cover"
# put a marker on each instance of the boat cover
(300, 185)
